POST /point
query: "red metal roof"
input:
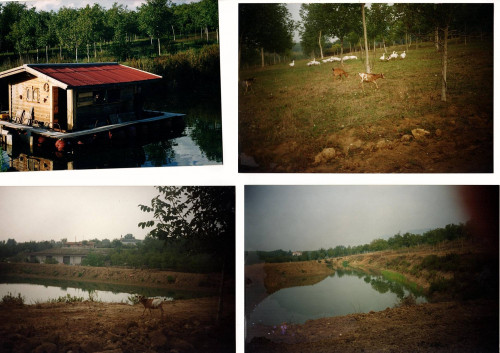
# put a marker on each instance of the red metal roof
(78, 75)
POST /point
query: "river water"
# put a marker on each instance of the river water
(343, 293)
(42, 290)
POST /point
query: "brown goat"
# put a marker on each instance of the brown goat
(151, 303)
(370, 78)
(339, 72)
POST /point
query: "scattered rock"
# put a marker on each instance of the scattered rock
(46, 347)
(419, 134)
(90, 346)
(158, 339)
(381, 144)
(324, 156)
(438, 132)
(406, 138)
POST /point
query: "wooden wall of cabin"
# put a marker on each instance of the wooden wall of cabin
(31, 94)
(91, 110)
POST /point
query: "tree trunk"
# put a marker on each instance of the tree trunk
(88, 53)
(342, 51)
(47, 54)
(374, 46)
(173, 31)
(76, 53)
(206, 31)
(406, 39)
(221, 293)
(436, 38)
(262, 55)
(367, 63)
(37, 55)
(159, 47)
(385, 48)
(320, 46)
(444, 63)
(95, 51)
(60, 52)
(217, 33)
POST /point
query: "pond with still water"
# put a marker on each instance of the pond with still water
(345, 292)
(196, 142)
(42, 290)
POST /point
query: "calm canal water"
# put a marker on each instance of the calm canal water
(44, 290)
(198, 142)
(343, 293)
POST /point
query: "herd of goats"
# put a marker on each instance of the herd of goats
(365, 77)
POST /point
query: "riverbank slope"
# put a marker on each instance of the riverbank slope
(138, 277)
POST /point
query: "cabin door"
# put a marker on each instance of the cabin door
(59, 108)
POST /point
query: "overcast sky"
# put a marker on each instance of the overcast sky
(45, 213)
(312, 217)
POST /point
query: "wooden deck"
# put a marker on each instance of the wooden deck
(70, 135)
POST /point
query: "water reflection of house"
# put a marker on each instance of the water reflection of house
(67, 255)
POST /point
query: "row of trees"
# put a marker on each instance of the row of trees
(397, 23)
(398, 241)
(12, 248)
(23, 29)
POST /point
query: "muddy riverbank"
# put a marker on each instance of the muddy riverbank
(124, 276)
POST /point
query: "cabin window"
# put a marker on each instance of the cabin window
(28, 94)
(99, 97)
(36, 95)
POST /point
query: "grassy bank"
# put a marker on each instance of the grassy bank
(452, 271)
(291, 115)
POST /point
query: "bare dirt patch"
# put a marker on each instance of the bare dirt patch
(434, 327)
(187, 326)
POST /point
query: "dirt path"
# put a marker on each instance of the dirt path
(187, 326)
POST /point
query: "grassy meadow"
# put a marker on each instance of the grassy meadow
(299, 119)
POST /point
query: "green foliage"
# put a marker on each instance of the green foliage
(345, 263)
(170, 279)
(11, 300)
(50, 261)
(94, 259)
(66, 299)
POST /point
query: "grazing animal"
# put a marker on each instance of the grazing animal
(370, 78)
(292, 64)
(403, 55)
(151, 303)
(339, 72)
(247, 83)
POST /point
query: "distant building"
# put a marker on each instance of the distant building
(67, 255)
(79, 245)
(131, 242)
(297, 253)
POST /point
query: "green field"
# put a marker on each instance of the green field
(290, 115)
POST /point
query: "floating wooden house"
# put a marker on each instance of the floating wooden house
(71, 98)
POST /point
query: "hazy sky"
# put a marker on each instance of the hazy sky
(45, 213)
(312, 217)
